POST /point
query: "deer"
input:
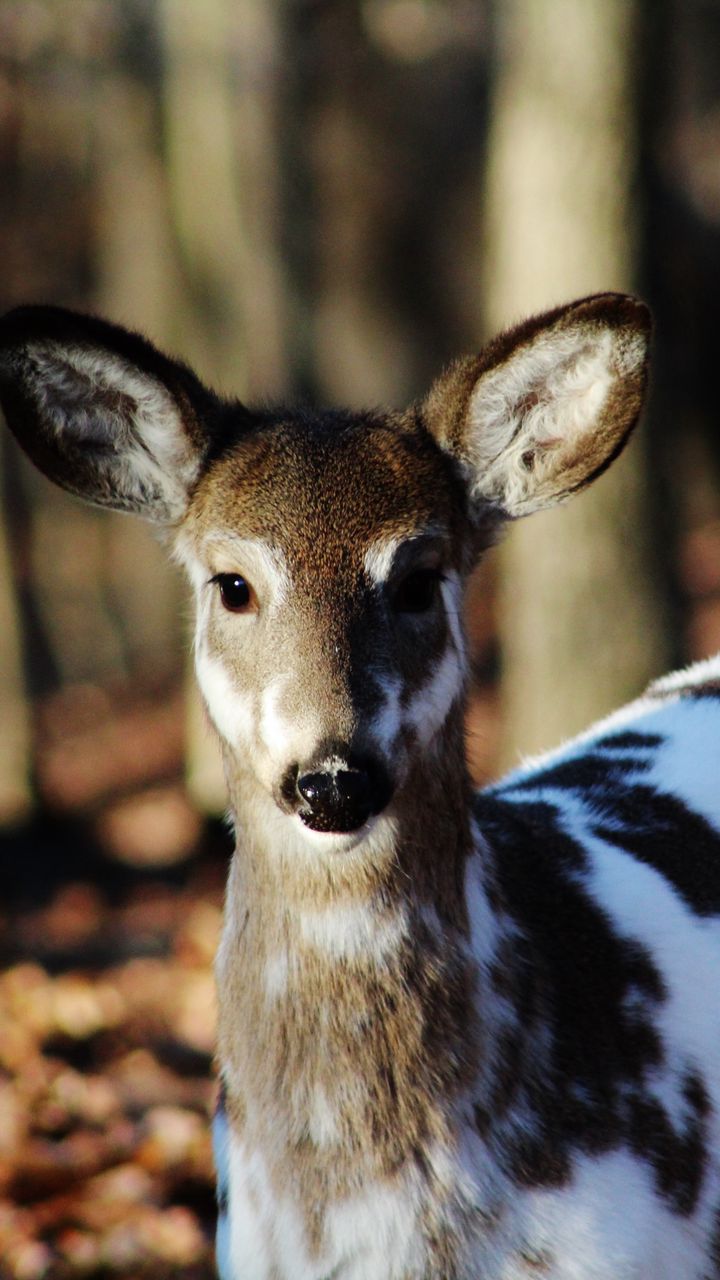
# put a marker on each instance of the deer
(463, 1035)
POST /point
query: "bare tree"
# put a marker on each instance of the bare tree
(219, 99)
(14, 710)
(583, 619)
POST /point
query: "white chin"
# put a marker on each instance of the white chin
(339, 841)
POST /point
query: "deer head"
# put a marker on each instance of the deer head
(328, 551)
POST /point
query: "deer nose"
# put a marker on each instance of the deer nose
(340, 800)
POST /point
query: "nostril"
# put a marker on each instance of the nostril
(340, 801)
(316, 789)
(355, 788)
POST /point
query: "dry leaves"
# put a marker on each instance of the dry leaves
(106, 1086)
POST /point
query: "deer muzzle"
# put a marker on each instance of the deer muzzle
(339, 797)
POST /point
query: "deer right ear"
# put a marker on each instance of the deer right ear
(101, 412)
(546, 407)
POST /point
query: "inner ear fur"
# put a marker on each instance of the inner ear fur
(546, 406)
(101, 411)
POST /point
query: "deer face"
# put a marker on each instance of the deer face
(326, 556)
(327, 553)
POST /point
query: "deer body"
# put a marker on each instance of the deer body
(460, 1036)
(574, 1131)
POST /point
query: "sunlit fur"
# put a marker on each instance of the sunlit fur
(462, 1035)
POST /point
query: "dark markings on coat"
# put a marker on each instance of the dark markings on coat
(598, 766)
(712, 1271)
(711, 689)
(679, 1160)
(655, 826)
(630, 740)
(703, 689)
(600, 992)
(660, 830)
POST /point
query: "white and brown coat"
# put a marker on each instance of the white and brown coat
(461, 1036)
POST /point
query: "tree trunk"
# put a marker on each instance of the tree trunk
(137, 283)
(583, 617)
(15, 739)
(219, 102)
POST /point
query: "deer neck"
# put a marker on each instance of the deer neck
(347, 989)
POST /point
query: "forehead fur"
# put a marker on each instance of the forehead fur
(329, 483)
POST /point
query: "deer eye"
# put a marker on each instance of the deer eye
(418, 592)
(235, 592)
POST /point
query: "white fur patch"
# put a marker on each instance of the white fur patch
(376, 1232)
(451, 590)
(276, 733)
(611, 1223)
(387, 722)
(185, 554)
(352, 930)
(230, 709)
(276, 975)
(251, 1200)
(96, 397)
(221, 1139)
(428, 709)
(379, 559)
(323, 1123)
(370, 1235)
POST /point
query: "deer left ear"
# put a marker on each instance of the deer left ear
(546, 407)
(102, 412)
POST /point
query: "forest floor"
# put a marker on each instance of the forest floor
(107, 1023)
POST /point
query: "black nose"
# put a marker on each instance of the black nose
(339, 800)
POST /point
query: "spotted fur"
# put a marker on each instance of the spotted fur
(460, 1035)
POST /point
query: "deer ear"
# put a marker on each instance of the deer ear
(546, 407)
(101, 412)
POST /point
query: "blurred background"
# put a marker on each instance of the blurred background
(321, 200)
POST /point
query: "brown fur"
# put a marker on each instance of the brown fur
(392, 1038)
(402, 1039)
